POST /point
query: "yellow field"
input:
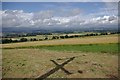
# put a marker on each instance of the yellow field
(85, 40)
(32, 63)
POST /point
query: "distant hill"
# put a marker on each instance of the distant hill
(57, 30)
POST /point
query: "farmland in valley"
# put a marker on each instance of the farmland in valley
(95, 57)
(81, 40)
(41, 40)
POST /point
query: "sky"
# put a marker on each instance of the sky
(42, 6)
(59, 15)
(60, 0)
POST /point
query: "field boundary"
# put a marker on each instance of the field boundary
(36, 47)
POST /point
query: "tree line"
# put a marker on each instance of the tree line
(6, 40)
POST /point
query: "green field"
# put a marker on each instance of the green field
(102, 48)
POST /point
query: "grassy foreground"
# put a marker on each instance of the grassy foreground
(32, 63)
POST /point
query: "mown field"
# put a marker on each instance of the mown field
(95, 57)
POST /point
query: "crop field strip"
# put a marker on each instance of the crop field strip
(85, 40)
(99, 48)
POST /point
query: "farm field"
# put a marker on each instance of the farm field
(94, 57)
(84, 40)
(32, 63)
(103, 48)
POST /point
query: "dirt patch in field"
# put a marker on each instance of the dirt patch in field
(32, 63)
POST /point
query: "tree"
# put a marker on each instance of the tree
(33, 39)
(46, 38)
(23, 39)
(6, 41)
(103, 34)
(76, 36)
(40, 39)
(15, 41)
(71, 36)
(53, 37)
(66, 36)
(62, 37)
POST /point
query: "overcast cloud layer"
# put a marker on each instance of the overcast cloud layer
(53, 19)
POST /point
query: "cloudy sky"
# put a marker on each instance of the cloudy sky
(59, 15)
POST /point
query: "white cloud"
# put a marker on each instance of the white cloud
(110, 0)
(16, 18)
(45, 19)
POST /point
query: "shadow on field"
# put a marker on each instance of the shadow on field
(58, 66)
